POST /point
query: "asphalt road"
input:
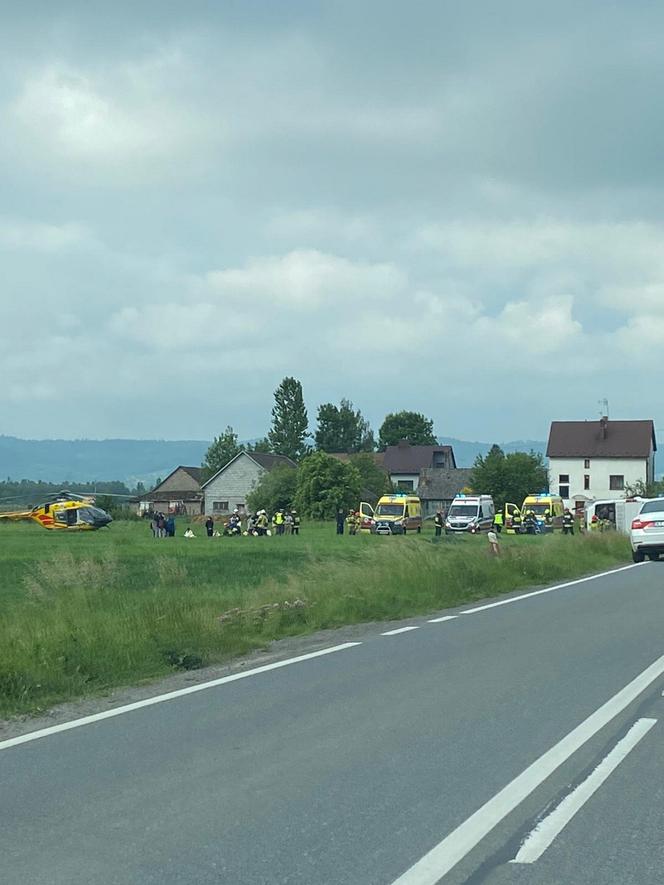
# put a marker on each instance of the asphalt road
(431, 752)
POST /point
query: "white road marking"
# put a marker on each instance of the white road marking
(444, 618)
(539, 839)
(399, 630)
(482, 608)
(169, 696)
(454, 847)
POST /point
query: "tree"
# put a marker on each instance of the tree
(343, 429)
(374, 478)
(260, 445)
(288, 434)
(223, 449)
(326, 484)
(411, 426)
(275, 491)
(641, 489)
(509, 478)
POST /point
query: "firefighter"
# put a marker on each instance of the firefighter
(516, 522)
(351, 522)
(296, 522)
(568, 523)
(439, 522)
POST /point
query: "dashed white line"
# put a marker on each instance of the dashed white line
(169, 696)
(399, 630)
(539, 839)
(444, 618)
(482, 608)
(431, 868)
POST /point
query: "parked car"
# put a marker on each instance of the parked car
(647, 533)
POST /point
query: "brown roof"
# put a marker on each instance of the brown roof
(196, 473)
(601, 439)
(170, 495)
(269, 461)
(405, 458)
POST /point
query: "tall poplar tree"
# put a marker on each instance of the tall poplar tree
(289, 432)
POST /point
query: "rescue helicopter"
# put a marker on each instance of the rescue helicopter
(65, 511)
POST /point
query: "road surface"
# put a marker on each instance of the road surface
(440, 749)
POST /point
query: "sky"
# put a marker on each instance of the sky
(455, 208)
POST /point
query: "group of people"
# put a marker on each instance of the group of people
(353, 522)
(283, 522)
(162, 526)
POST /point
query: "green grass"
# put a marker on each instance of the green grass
(82, 613)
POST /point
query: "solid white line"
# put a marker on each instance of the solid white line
(169, 696)
(547, 829)
(399, 630)
(454, 847)
(482, 608)
(440, 620)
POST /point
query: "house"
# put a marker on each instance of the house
(438, 487)
(227, 490)
(599, 459)
(405, 462)
(180, 492)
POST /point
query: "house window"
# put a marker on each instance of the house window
(564, 478)
(220, 506)
(617, 483)
(586, 482)
(586, 464)
(405, 485)
(439, 459)
(563, 491)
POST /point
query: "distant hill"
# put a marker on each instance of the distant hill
(131, 460)
(84, 460)
(466, 452)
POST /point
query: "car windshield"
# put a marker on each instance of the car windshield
(389, 510)
(653, 506)
(538, 509)
(466, 510)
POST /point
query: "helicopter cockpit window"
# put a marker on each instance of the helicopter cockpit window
(90, 515)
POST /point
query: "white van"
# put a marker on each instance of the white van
(470, 513)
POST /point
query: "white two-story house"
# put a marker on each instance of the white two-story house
(596, 460)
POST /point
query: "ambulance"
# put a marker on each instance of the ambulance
(395, 514)
(470, 513)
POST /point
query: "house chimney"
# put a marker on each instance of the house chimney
(604, 427)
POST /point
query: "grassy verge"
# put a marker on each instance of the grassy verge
(80, 614)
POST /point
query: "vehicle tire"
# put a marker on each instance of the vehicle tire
(653, 557)
(638, 555)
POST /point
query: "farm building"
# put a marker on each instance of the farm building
(180, 492)
(227, 490)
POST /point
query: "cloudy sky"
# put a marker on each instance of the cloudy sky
(450, 207)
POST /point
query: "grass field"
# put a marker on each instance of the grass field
(82, 613)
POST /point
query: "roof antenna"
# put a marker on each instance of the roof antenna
(604, 408)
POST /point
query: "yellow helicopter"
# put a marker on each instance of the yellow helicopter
(66, 511)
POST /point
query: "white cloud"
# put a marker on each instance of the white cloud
(17, 234)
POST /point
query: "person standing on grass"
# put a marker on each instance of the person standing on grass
(494, 547)
(161, 525)
(209, 526)
(170, 527)
(288, 522)
(438, 522)
(568, 523)
(340, 521)
(296, 522)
